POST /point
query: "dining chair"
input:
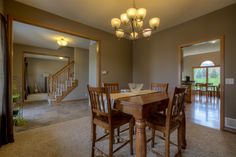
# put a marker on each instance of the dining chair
(112, 87)
(105, 117)
(160, 87)
(203, 89)
(170, 122)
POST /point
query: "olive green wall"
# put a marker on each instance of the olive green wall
(116, 55)
(156, 59)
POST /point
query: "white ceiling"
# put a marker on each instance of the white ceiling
(46, 57)
(98, 13)
(40, 37)
(204, 47)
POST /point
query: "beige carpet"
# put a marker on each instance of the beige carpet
(72, 139)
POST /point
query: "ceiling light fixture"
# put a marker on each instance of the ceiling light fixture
(61, 57)
(62, 42)
(130, 24)
(213, 41)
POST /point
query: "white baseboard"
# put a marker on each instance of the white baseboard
(230, 122)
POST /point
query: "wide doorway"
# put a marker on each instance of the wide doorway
(51, 70)
(201, 71)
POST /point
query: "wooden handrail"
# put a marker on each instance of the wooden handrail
(63, 69)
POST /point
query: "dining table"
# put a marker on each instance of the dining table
(139, 105)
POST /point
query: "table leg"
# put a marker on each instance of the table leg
(141, 148)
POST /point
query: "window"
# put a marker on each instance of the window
(207, 63)
(207, 73)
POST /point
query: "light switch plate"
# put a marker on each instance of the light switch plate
(229, 81)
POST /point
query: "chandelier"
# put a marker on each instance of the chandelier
(130, 24)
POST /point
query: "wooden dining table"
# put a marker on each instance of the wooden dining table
(140, 105)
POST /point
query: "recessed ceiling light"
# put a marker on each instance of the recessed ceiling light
(61, 57)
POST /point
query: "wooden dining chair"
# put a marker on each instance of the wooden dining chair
(104, 116)
(170, 122)
(112, 87)
(160, 87)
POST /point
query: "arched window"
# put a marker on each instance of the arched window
(207, 63)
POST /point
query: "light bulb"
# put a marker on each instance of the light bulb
(154, 22)
(141, 13)
(133, 35)
(124, 18)
(139, 24)
(120, 33)
(115, 23)
(147, 32)
(131, 13)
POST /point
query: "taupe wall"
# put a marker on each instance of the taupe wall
(156, 60)
(18, 53)
(38, 68)
(81, 57)
(196, 60)
(116, 55)
(92, 64)
(1, 6)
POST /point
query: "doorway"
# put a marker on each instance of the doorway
(202, 67)
(39, 54)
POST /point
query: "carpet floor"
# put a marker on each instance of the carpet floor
(40, 113)
(72, 139)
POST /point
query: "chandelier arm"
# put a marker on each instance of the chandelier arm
(132, 26)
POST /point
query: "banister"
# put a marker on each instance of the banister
(63, 69)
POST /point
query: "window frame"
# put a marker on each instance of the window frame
(215, 66)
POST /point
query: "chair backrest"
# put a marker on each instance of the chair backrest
(176, 107)
(160, 87)
(112, 87)
(100, 101)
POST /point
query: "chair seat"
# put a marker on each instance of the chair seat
(157, 121)
(118, 119)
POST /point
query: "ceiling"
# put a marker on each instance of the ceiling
(46, 57)
(204, 47)
(40, 37)
(98, 13)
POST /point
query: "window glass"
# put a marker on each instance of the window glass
(207, 63)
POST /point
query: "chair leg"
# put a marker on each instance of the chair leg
(118, 134)
(167, 145)
(93, 139)
(153, 137)
(131, 130)
(111, 137)
(179, 140)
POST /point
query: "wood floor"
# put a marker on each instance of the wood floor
(204, 111)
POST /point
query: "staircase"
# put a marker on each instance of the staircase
(61, 84)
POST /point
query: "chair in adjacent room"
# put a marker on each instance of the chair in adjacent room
(105, 117)
(170, 122)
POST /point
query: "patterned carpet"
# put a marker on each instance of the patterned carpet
(72, 139)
